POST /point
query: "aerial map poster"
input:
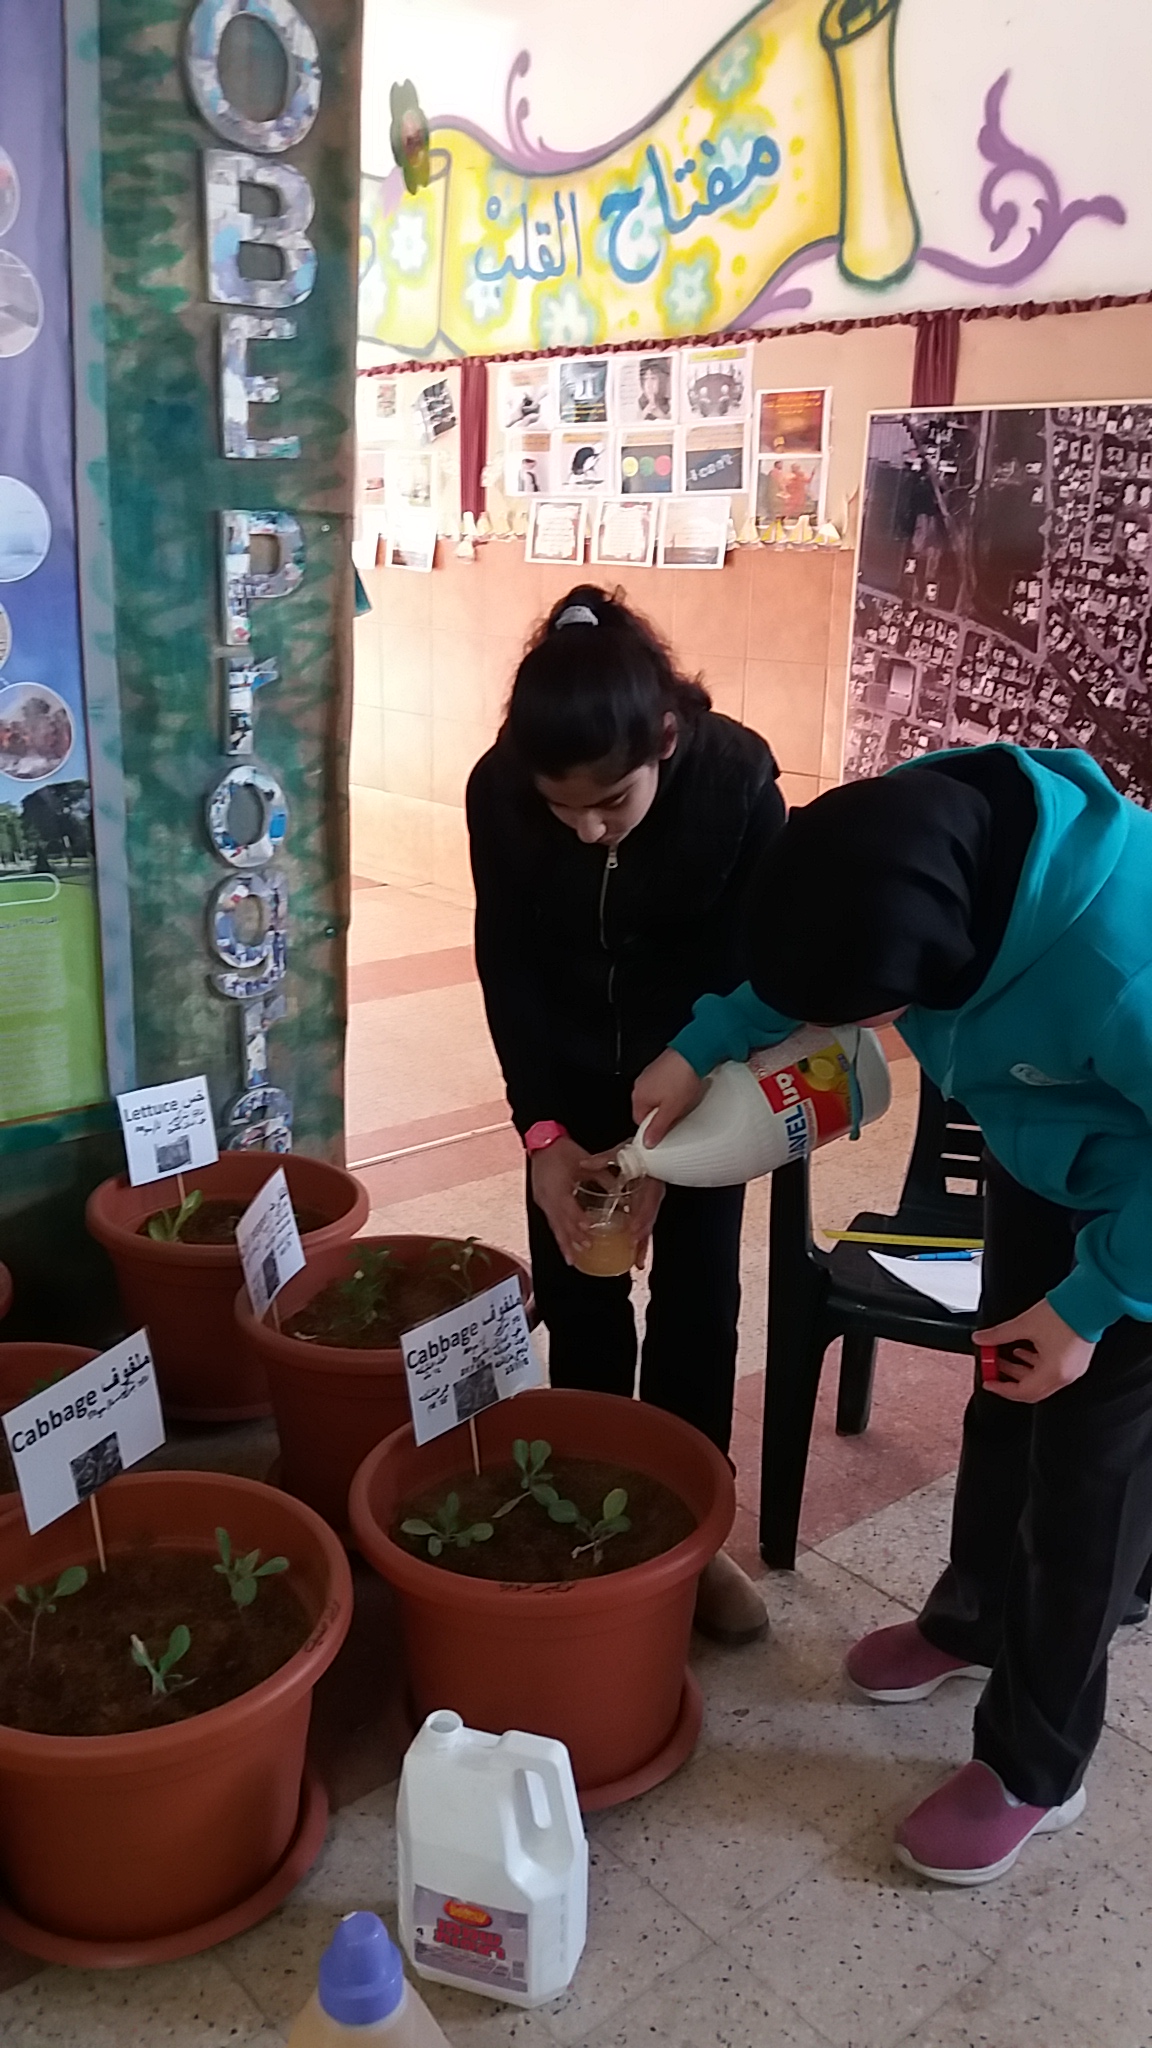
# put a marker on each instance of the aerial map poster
(1003, 587)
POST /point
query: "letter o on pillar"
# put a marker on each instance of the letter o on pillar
(255, 844)
(202, 59)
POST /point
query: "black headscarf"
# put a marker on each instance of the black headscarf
(886, 893)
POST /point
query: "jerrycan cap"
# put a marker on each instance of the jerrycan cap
(361, 1972)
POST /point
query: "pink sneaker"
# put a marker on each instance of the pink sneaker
(897, 1664)
(972, 1829)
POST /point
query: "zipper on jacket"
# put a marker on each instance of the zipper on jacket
(610, 866)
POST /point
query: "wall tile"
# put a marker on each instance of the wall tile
(835, 707)
(366, 753)
(366, 820)
(843, 583)
(405, 656)
(500, 658)
(784, 700)
(401, 597)
(366, 659)
(456, 747)
(789, 602)
(450, 865)
(799, 789)
(458, 665)
(723, 679)
(457, 594)
(407, 754)
(712, 611)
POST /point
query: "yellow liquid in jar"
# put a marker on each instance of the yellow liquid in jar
(610, 1253)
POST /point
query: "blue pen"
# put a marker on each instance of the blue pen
(939, 1258)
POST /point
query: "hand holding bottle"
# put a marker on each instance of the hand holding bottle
(672, 1088)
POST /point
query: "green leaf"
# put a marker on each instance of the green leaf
(71, 1579)
(520, 1453)
(162, 1228)
(619, 1525)
(140, 1655)
(224, 1546)
(451, 1506)
(541, 1452)
(545, 1495)
(564, 1511)
(464, 1539)
(614, 1503)
(270, 1566)
(249, 1563)
(415, 1527)
(244, 1591)
(435, 1545)
(179, 1644)
(23, 1594)
(482, 1532)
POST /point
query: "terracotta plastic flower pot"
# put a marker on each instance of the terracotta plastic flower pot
(22, 1367)
(124, 1849)
(332, 1403)
(183, 1293)
(602, 1663)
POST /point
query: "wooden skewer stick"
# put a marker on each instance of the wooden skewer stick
(100, 1552)
(475, 1445)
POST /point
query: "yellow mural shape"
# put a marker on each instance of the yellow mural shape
(786, 136)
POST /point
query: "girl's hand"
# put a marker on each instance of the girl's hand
(671, 1087)
(555, 1172)
(1059, 1358)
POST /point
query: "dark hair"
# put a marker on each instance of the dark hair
(589, 695)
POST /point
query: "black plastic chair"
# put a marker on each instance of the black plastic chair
(815, 1297)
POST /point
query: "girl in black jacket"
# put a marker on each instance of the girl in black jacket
(613, 828)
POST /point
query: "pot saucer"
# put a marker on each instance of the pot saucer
(676, 1751)
(298, 1858)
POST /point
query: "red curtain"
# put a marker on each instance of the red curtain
(473, 433)
(937, 354)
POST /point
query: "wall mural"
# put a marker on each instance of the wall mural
(1004, 586)
(781, 154)
(230, 274)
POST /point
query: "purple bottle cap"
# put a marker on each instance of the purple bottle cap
(361, 1972)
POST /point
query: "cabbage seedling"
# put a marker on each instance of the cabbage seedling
(242, 1573)
(168, 1226)
(161, 1670)
(613, 1522)
(42, 1599)
(446, 1528)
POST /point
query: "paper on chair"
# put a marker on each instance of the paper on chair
(953, 1283)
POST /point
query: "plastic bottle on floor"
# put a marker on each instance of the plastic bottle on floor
(782, 1104)
(362, 1997)
(493, 1862)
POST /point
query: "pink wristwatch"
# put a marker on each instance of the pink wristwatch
(542, 1135)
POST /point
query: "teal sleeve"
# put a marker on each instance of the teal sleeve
(730, 1028)
(1112, 1276)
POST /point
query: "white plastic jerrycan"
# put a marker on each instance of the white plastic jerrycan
(784, 1103)
(493, 1862)
(362, 1998)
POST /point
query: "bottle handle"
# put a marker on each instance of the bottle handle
(541, 1786)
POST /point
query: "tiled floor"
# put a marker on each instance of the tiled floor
(752, 1901)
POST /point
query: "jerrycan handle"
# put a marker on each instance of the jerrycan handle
(536, 1799)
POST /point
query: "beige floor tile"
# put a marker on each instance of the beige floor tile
(1130, 1684)
(390, 1076)
(998, 2010)
(712, 2002)
(634, 1938)
(862, 1958)
(490, 1209)
(904, 1548)
(388, 923)
(475, 2022)
(815, 1613)
(1090, 1953)
(194, 2004)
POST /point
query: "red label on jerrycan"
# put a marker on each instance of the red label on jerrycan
(813, 1095)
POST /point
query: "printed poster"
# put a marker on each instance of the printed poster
(644, 389)
(51, 1005)
(646, 462)
(624, 533)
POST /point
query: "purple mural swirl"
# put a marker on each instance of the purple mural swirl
(1003, 215)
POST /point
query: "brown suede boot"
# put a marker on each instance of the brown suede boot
(729, 1609)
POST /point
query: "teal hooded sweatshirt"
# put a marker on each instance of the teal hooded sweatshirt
(1052, 1056)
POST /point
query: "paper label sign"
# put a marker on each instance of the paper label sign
(269, 1243)
(167, 1130)
(468, 1359)
(80, 1432)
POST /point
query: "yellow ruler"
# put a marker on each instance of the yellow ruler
(942, 1244)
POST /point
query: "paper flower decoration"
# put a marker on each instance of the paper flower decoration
(409, 136)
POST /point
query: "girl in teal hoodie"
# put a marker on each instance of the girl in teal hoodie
(996, 905)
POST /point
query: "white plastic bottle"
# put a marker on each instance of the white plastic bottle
(362, 1996)
(493, 1862)
(785, 1102)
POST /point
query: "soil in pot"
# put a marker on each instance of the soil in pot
(81, 1679)
(383, 1297)
(526, 1545)
(214, 1222)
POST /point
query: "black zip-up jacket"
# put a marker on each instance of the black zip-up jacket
(590, 961)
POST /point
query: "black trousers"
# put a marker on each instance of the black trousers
(1052, 1526)
(688, 1364)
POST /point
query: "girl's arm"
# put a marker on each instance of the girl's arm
(730, 1028)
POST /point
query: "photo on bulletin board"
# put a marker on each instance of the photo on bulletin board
(791, 489)
(582, 399)
(408, 479)
(646, 462)
(643, 389)
(693, 533)
(556, 529)
(410, 539)
(716, 383)
(624, 532)
(436, 409)
(528, 465)
(792, 422)
(582, 460)
(525, 395)
(716, 457)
